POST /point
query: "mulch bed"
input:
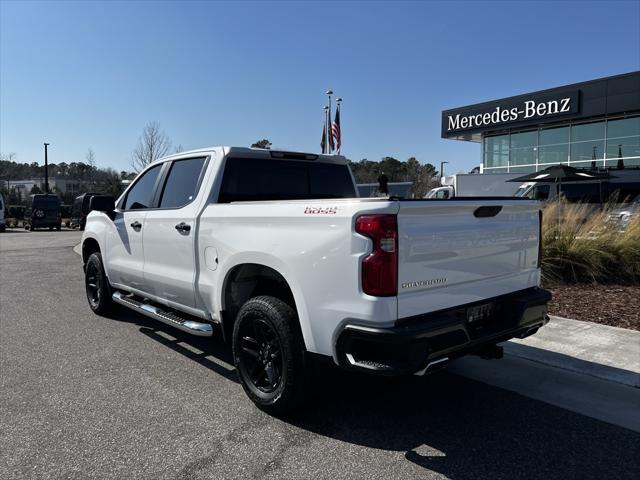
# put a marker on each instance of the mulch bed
(616, 305)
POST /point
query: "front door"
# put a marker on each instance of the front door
(125, 256)
(169, 237)
(125, 252)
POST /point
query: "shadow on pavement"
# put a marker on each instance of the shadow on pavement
(458, 427)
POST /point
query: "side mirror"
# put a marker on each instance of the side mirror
(102, 203)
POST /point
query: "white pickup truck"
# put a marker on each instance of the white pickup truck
(275, 251)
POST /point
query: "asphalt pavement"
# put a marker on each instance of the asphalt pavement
(83, 396)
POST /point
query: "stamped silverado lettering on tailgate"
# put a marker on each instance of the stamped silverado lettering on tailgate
(425, 283)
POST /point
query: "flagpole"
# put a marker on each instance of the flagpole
(329, 139)
(338, 105)
(326, 139)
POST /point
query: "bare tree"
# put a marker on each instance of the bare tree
(178, 149)
(9, 157)
(90, 157)
(152, 144)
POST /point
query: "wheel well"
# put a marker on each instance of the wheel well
(250, 280)
(88, 247)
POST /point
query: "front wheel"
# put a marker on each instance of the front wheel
(269, 354)
(97, 285)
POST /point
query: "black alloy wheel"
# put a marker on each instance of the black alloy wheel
(93, 283)
(260, 355)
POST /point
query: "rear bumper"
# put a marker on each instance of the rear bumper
(417, 344)
(45, 222)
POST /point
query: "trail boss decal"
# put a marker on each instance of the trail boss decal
(320, 210)
(425, 283)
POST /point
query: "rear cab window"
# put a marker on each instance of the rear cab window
(259, 179)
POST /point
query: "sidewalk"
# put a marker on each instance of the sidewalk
(588, 368)
(601, 351)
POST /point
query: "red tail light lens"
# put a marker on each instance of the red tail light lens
(380, 267)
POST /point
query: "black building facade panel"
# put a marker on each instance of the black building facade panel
(593, 99)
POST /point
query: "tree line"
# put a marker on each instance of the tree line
(154, 143)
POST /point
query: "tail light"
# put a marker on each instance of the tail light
(380, 267)
(539, 238)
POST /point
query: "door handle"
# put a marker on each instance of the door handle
(183, 227)
(136, 225)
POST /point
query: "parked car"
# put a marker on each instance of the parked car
(80, 209)
(273, 251)
(620, 217)
(43, 210)
(441, 192)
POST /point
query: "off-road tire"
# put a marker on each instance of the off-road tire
(282, 322)
(97, 285)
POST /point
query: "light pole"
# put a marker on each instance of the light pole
(46, 169)
(442, 171)
(329, 138)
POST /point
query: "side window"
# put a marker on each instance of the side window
(182, 183)
(540, 192)
(141, 194)
(442, 194)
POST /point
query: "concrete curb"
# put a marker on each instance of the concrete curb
(601, 351)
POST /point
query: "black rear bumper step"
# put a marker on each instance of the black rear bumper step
(415, 344)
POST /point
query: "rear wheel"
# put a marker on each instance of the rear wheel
(268, 353)
(97, 285)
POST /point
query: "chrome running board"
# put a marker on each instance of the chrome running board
(200, 329)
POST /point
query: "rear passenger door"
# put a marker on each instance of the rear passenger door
(169, 237)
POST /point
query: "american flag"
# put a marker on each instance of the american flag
(335, 129)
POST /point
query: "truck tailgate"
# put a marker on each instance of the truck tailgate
(453, 252)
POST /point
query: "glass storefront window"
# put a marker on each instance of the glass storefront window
(523, 156)
(587, 131)
(524, 139)
(623, 147)
(577, 145)
(527, 169)
(553, 136)
(593, 150)
(553, 153)
(625, 127)
(496, 151)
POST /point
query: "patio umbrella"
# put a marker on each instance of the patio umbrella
(563, 173)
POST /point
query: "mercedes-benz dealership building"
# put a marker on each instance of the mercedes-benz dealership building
(594, 123)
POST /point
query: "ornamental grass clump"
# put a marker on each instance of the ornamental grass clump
(582, 245)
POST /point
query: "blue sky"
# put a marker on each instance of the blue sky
(92, 74)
